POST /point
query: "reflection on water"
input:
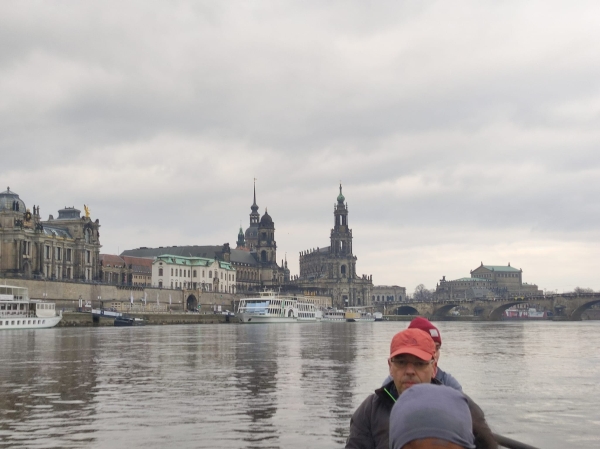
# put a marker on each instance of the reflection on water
(280, 386)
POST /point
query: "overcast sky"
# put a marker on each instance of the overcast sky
(462, 132)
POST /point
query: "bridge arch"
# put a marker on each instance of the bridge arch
(191, 303)
(443, 311)
(496, 314)
(406, 310)
(576, 314)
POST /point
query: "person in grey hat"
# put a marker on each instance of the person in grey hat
(430, 416)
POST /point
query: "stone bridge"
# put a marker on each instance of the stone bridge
(568, 306)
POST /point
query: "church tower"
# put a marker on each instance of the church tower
(241, 242)
(266, 249)
(252, 231)
(341, 235)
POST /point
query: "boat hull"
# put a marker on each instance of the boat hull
(261, 319)
(360, 320)
(124, 322)
(16, 322)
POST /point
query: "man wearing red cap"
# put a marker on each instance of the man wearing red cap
(425, 325)
(411, 361)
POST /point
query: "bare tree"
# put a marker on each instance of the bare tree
(579, 290)
(422, 293)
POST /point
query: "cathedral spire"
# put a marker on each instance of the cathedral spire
(254, 215)
(254, 207)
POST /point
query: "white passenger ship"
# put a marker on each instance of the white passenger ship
(270, 307)
(334, 315)
(17, 311)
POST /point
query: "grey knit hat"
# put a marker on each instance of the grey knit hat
(431, 411)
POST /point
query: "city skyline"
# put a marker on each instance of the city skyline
(461, 134)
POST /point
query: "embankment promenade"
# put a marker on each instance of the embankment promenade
(77, 319)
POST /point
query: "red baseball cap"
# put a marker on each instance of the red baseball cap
(414, 342)
(425, 325)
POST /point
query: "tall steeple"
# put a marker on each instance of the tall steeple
(251, 235)
(254, 216)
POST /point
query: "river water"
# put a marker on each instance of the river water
(282, 385)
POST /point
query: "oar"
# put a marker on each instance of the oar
(511, 444)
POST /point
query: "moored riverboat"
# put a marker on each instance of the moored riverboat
(17, 311)
(334, 315)
(124, 320)
(358, 315)
(270, 307)
(530, 313)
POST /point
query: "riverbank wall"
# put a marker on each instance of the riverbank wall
(76, 319)
(68, 296)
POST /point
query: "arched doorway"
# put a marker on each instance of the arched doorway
(191, 303)
(27, 270)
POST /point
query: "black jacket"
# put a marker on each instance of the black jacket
(370, 423)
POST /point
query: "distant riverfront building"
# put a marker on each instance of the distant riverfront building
(126, 270)
(487, 281)
(331, 270)
(388, 293)
(208, 275)
(65, 248)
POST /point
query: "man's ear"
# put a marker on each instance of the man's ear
(434, 368)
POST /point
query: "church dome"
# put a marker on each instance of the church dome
(251, 233)
(8, 200)
(266, 220)
(341, 198)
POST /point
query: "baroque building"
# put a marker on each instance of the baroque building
(208, 275)
(388, 293)
(126, 270)
(331, 270)
(65, 248)
(487, 281)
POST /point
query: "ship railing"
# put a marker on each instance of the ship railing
(18, 313)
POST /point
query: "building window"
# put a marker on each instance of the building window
(210, 274)
(160, 271)
(88, 256)
(68, 254)
(195, 273)
(47, 252)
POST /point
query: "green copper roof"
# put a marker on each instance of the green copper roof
(189, 261)
(501, 268)
(470, 280)
(341, 197)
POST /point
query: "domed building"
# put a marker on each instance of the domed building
(64, 248)
(259, 240)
